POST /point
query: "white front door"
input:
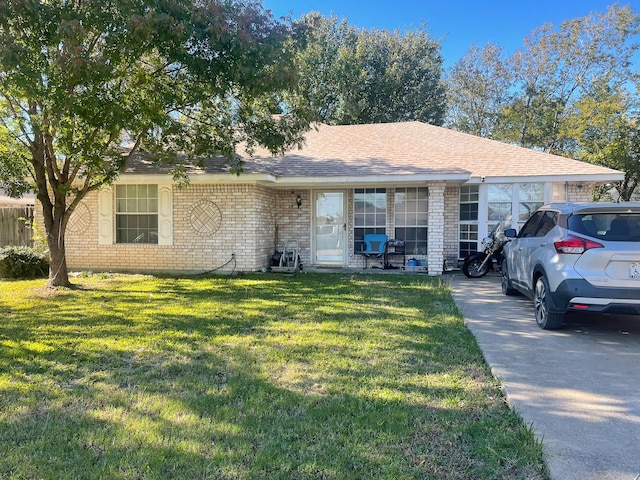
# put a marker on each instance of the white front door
(330, 228)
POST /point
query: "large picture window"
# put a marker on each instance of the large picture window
(531, 197)
(369, 214)
(499, 204)
(412, 218)
(137, 214)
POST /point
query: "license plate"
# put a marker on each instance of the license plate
(634, 270)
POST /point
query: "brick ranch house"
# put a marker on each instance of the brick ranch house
(438, 190)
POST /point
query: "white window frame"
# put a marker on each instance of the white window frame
(369, 227)
(415, 216)
(483, 204)
(134, 202)
(468, 223)
(107, 213)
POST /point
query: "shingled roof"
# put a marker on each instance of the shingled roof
(403, 149)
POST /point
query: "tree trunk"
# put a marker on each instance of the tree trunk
(58, 272)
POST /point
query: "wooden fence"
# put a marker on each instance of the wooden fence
(15, 226)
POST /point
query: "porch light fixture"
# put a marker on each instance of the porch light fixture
(299, 201)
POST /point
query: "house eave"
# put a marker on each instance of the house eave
(453, 178)
(275, 181)
(577, 177)
(224, 178)
(373, 179)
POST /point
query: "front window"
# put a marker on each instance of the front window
(468, 235)
(531, 198)
(137, 214)
(369, 214)
(499, 198)
(412, 218)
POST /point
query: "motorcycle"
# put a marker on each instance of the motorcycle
(478, 264)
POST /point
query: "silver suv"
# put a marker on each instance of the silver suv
(576, 257)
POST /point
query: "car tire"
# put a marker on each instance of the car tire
(545, 319)
(505, 282)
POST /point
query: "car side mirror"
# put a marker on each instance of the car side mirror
(510, 233)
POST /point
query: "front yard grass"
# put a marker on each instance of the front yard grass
(306, 376)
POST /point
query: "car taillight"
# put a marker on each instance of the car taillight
(576, 245)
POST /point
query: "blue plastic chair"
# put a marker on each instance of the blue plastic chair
(374, 246)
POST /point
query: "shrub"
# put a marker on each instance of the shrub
(22, 262)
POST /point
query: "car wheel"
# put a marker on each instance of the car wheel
(541, 304)
(476, 267)
(507, 289)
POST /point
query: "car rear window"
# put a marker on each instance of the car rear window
(616, 227)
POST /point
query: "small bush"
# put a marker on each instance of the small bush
(22, 262)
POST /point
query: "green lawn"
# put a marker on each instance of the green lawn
(306, 376)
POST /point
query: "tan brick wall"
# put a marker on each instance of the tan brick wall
(247, 229)
(293, 223)
(575, 191)
(580, 192)
(254, 221)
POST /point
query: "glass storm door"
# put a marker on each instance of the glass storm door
(330, 228)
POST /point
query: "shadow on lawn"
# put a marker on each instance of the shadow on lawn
(175, 382)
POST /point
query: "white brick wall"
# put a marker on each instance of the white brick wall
(436, 231)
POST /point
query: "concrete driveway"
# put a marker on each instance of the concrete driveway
(579, 386)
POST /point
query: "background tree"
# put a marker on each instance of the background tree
(604, 124)
(559, 81)
(352, 76)
(478, 90)
(77, 79)
(556, 67)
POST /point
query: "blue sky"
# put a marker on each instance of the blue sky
(458, 24)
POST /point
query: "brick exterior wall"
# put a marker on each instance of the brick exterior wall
(436, 230)
(293, 223)
(575, 191)
(252, 221)
(580, 192)
(247, 228)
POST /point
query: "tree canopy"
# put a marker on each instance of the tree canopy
(604, 126)
(478, 90)
(79, 81)
(353, 76)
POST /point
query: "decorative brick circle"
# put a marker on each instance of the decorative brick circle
(205, 217)
(80, 219)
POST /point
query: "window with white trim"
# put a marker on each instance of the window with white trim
(411, 208)
(530, 198)
(369, 214)
(499, 204)
(137, 214)
(468, 220)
